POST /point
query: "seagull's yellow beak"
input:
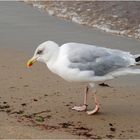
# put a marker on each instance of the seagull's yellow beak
(31, 62)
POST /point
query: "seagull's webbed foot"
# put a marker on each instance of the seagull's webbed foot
(97, 107)
(80, 108)
(84, 106)
(94, 111)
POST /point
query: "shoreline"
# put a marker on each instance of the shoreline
(119, 22)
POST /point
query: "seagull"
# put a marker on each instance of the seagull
(91, 64)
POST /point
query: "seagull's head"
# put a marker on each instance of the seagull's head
(43, 53)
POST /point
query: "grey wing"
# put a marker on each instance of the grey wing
(83, 53)
(99, 60)
(108, 64)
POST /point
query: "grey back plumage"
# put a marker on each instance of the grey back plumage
(100, 60)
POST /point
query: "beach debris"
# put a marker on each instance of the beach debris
(39, 119)
(112, 129)
(8, 111)
(23, 104)
(35, 100)
(4, 106)
(27, 116)
(44, 111)
(82, 131)
(110, 124)
(4, 102)
(18, 112)
(104, 85)
(110, 136)
(48, 116)
(12, 87)
(37, 114)
(66, 124)
(84, 134)
(82, 128)
(71, 102)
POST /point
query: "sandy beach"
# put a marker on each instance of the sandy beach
(34, 103)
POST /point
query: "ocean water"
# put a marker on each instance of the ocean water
(24, 26)
(116, 17)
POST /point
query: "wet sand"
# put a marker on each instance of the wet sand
(34, 103)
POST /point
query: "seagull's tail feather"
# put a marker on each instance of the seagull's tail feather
(127, 71)
(134, 71)
(137, 59)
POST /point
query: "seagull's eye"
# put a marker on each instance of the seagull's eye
(39, 52)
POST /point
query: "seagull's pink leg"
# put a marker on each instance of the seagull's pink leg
(96, 109)
(84, 106)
